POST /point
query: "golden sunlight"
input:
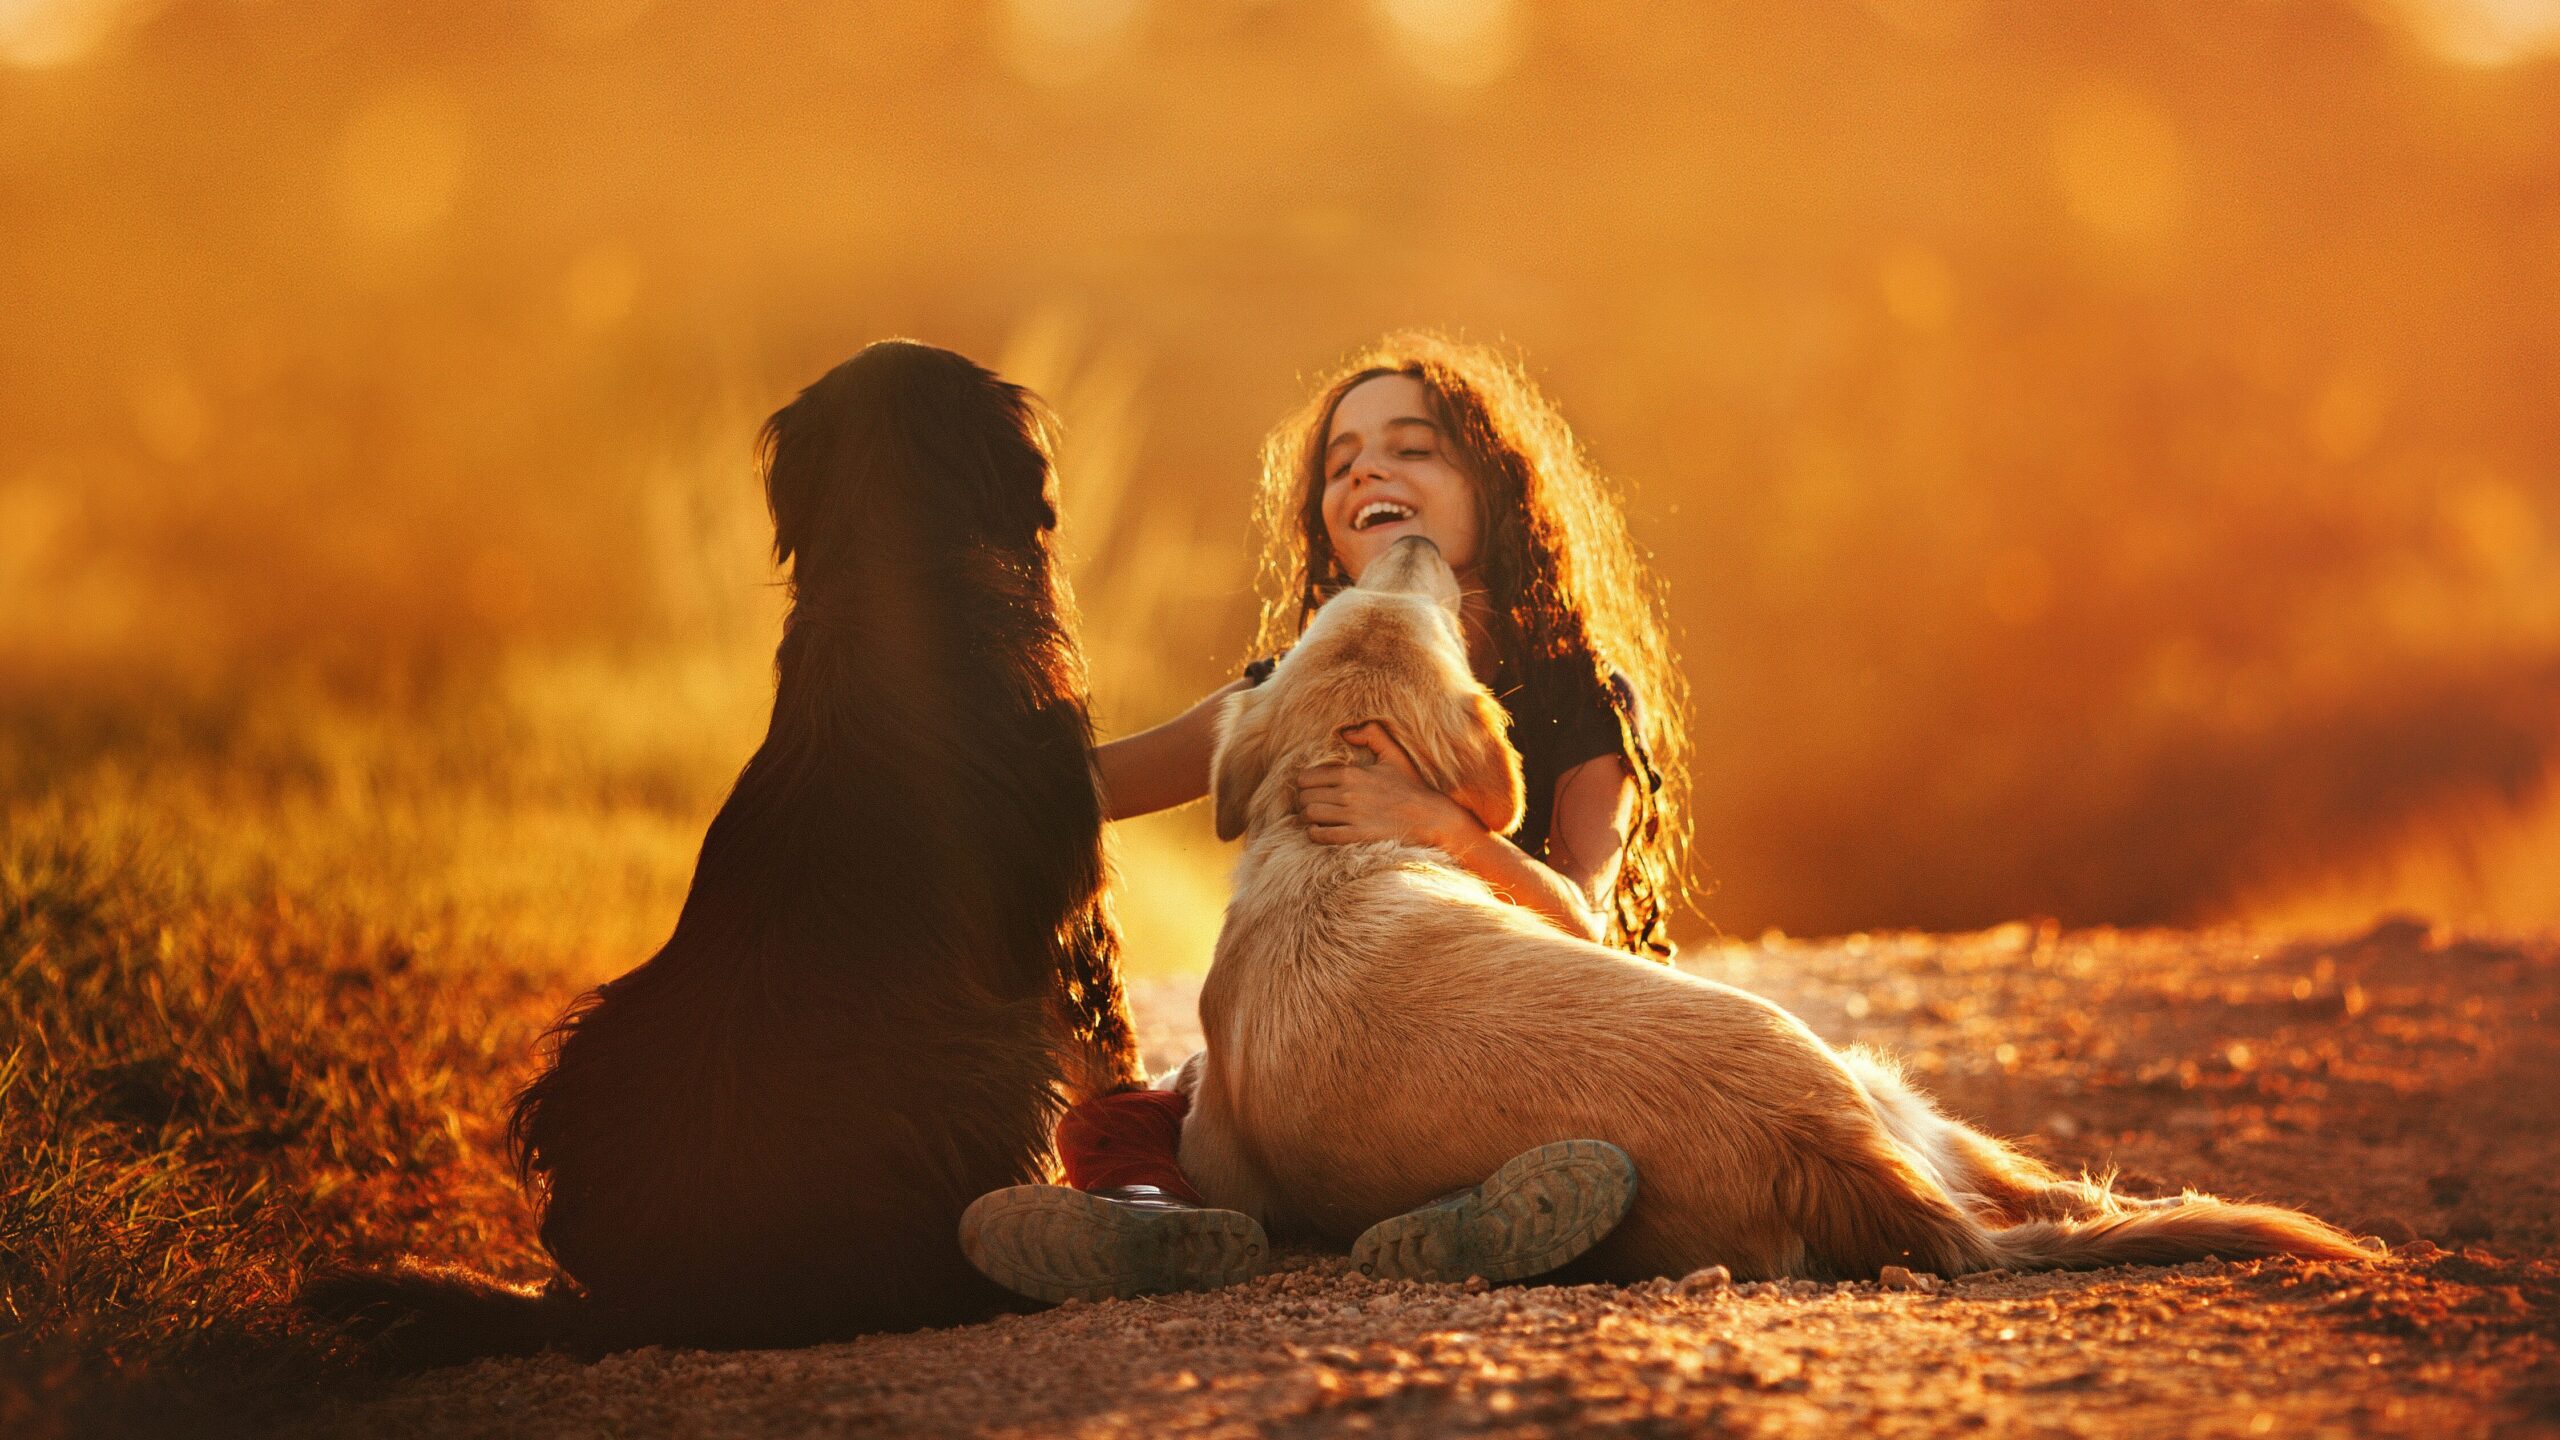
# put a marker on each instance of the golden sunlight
(1063, 42)
(41, 34)
(402, 160)
(2122, 166)
(2071, 491)
(1458, 43)
(2483, 33)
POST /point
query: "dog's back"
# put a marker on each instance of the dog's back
(894, 964)
(1383, 1028)
(769, 1131)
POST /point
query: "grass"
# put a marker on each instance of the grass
(274, 957)
(198, 1103)
(271, 967)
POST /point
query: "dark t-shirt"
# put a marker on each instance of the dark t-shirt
(1557, 723)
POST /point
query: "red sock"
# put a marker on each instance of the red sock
(1132, 1138)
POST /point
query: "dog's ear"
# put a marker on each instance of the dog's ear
(1489, 783)
(1465, 757)
(1242, 757)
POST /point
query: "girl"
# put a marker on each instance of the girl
(1421, 436)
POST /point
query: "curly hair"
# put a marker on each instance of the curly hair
(1570, 595)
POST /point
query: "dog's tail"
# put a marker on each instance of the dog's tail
(414, 1315)
(2200, 1228)
(1953, 1200)
(1862, 1211)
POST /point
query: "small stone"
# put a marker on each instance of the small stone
(1895, 1277)
(2470, 1227)
(2398, 932)
(1475, 1285)
(1706, 1281)
(2391, 1230)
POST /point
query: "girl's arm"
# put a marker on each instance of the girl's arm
(1160, 768)
(1587, 831)
(1344, 804)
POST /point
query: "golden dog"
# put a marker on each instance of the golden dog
(1383, 1028)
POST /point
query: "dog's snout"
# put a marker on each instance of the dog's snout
(1413, 566)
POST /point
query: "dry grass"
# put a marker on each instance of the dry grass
(198, 1104)
(272, 967)
(266, 988)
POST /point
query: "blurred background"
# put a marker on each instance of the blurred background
(2104, 460)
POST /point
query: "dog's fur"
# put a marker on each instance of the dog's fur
(1383, 1028)
(894, 966)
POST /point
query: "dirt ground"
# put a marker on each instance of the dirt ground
(2403, 1083)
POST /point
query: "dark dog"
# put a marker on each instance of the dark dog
(894, 966)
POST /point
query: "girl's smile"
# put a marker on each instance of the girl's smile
(1382, 512)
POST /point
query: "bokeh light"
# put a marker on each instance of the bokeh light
(1062, 42)
(401, 162)
(2100, 457)
(2485, 33)
(1461, 43)
(41, 34)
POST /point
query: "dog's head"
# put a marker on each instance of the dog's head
(1389, 650)
(904, 452)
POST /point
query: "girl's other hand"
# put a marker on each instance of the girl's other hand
(1383, 800)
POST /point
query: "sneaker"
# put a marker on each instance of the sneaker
(1542, 1208)
(1054, 1243)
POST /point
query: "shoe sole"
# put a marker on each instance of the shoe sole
(1543, 1208)
(1053, 1243)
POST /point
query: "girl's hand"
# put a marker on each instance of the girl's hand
(1385, 800)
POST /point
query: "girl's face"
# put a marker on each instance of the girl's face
(1389, 472)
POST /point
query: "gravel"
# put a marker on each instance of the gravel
(2397, 1081)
